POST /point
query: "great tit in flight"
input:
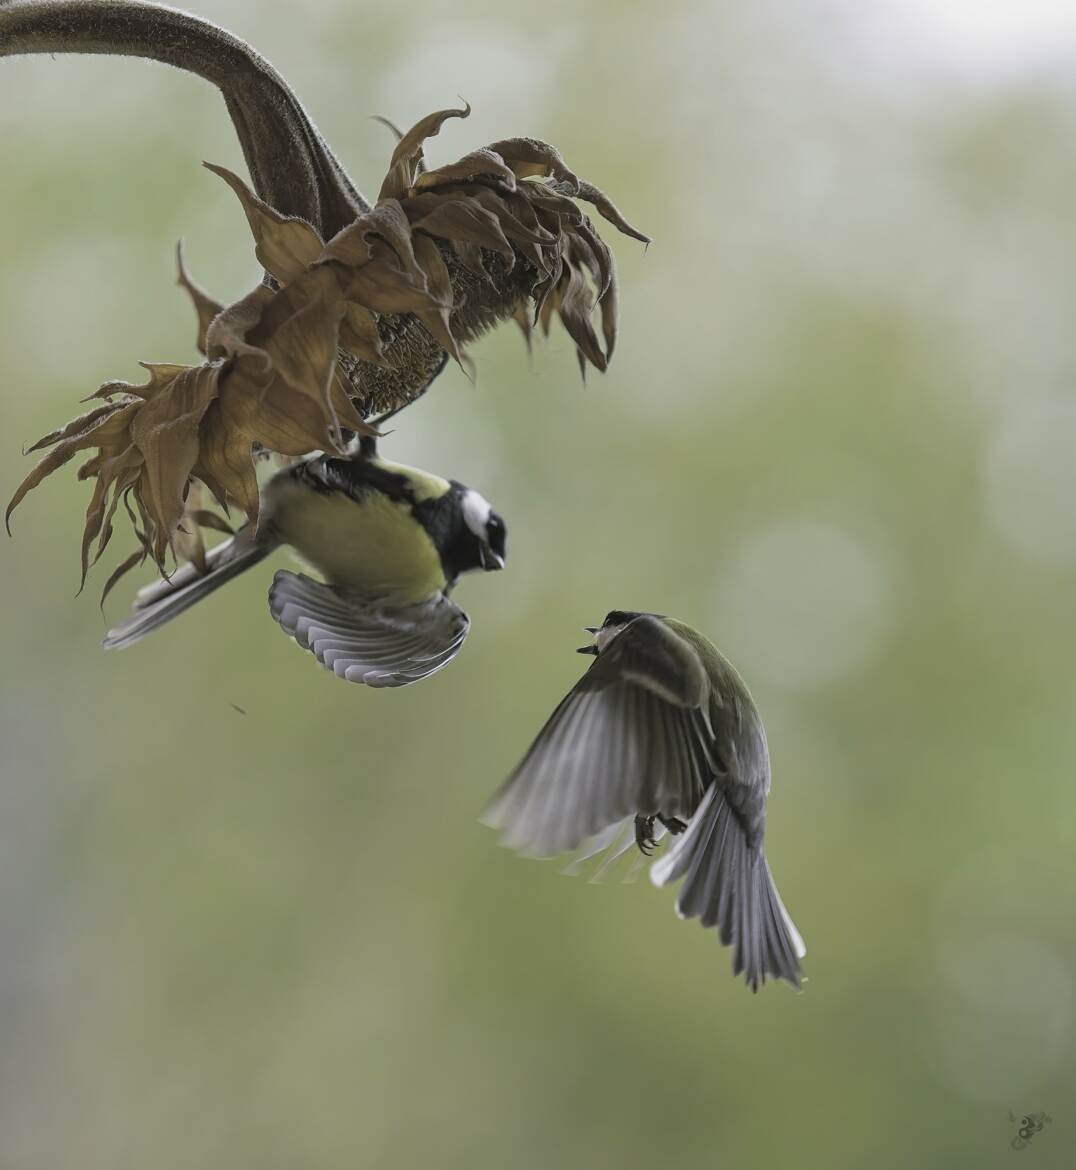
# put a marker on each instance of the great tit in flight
(661, 730)
(390, 541)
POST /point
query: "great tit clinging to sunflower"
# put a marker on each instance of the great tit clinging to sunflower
(661, 734)
(390, 541)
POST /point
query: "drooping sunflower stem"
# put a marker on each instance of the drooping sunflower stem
(291, 165)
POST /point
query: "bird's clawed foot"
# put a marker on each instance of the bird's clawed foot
(644, 835)
(644, 831)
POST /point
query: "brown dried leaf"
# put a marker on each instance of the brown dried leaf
(284, 245)
(531, 156)
(478, 163)
(551, 207)
(575, 305)
(407, 157)
(104, 427)
(165, 430)
(136, 558)
(117, 474)
(439, 294)
(344, 409)
(589, 249)
(528, 237)
(204, 305)
(96, 421)
(358, 334)
(383, 286)
(225, 462)
(610, 307)
(227, 334)
(606, 208)
(303, 353)
(205, 518)
(281, 420)
(460, 220)
(353, 247)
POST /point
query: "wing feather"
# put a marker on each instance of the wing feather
(605, 754)
(380, 645)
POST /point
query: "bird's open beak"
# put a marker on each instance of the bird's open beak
(490, 559)
(591, 649)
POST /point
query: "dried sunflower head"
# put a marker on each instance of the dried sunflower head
(445, 254)
(361, 307)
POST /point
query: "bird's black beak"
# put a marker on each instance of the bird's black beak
(490, 560)
(591, 649)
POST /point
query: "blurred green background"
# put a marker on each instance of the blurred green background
(838, 436)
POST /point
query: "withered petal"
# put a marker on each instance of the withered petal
(116, 475)
(284, 245)
(359, 335)
(462, 220)
(207, 518)
(575, 304)
(610, 306)
(85, 424)
(225, 460)
(303, 353)
(406, 158)
(594, 254)
(353, 247)
(440, 294)
(606, 208)
(136, 558)
(383, 286)
(478, 162)
(530, 156)
(106, 426)
(165, 430)
(204, 305)
(227, 334)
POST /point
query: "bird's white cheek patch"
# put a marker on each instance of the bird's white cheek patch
(476, 513)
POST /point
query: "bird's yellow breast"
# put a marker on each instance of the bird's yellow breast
(374, 545)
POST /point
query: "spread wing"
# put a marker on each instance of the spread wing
(631, 737)
(376, 644)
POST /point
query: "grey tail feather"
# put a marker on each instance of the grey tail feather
(727, 884)
(161, 602)
(216, 557)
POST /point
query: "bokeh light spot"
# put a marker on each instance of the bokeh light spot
(1030, 482)
(806, 602)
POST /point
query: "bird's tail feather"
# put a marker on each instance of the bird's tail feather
(160, 602)
(727, 884)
